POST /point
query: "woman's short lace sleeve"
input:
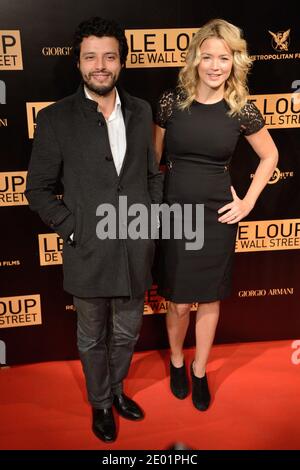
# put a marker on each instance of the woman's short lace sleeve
(165, 108)
(251, 119)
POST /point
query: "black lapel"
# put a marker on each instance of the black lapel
(127, 110)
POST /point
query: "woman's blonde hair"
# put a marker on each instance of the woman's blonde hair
(236, 89)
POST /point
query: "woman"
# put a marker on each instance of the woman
(199, 124)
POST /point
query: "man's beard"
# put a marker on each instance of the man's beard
(100, 90)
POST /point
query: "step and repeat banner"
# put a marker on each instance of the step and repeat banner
(37, 318)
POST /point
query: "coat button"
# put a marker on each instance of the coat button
(120, 187)
(108, 158)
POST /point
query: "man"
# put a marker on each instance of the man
(98, 143)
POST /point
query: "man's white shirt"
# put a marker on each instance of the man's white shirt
(116, 132)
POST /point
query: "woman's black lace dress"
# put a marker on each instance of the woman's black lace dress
(199, 144)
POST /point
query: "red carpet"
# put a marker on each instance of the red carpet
(256, 403)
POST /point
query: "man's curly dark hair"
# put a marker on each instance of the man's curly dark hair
(100, 27)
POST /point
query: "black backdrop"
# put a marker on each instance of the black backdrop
(264, 303)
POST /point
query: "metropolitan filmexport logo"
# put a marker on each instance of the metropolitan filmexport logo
(280, 40)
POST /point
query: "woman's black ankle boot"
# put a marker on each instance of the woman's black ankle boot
(200, 391)
(179, 381)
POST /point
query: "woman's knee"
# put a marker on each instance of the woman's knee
(180, 310)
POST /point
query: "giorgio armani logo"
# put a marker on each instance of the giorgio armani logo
(278, 291)
(280, 40)
(56, 50)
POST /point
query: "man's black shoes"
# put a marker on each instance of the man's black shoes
(104, 426)
(128, 408)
